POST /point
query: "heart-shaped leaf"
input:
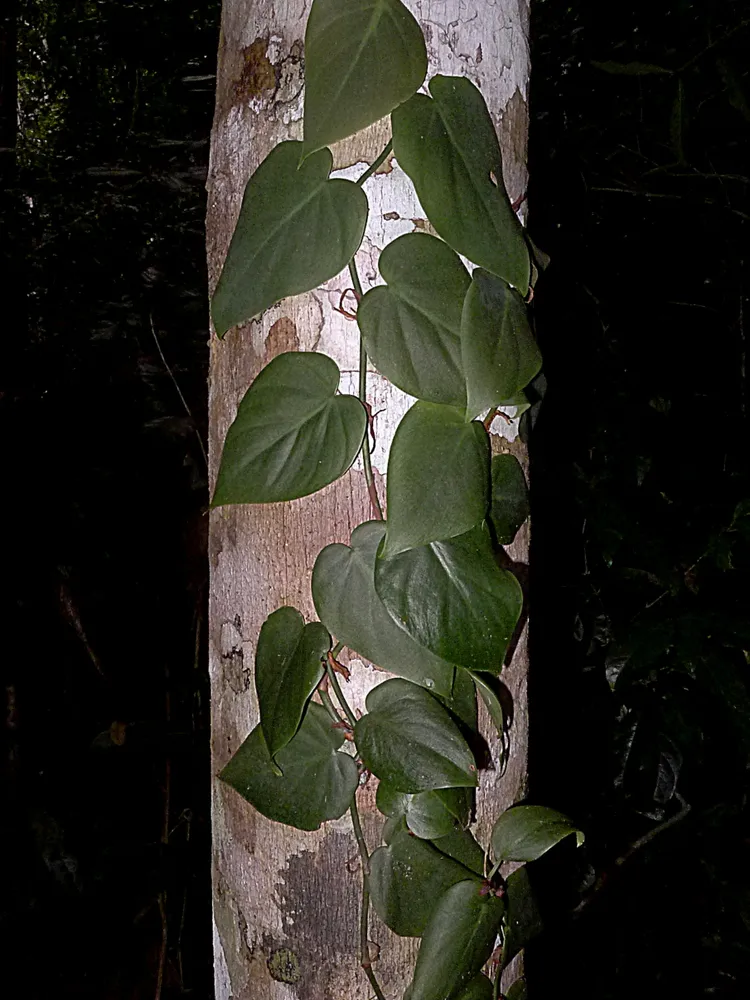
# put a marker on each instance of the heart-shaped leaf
(438, 477)
(509, 503)
(288, 668)
(317, 783)
(498, 351)
(343, 588)
(462, 847)
(525, 833)
(457, 941)
(296, 229)
(412, 325)
(408, 878)
(361, 60)
(408, 739)
(454, 599)
(522, 918)
(448, 146)
(428, 815)
(292, 435)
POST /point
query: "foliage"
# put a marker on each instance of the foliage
(422, 594)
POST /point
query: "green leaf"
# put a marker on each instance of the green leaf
(390, 801)
(497, 699)
(462, 847)
(523, 921)
(296, 229)
(361, 60)
(407, 879)
(517, 991)
(448, 146)
(292, 435)
(439, 813)
(412, 325)
(499, 354)
(631, 68)
(409, 740)
(463, 700)
(438, 478)
(288, 668)
(525, 833)
(480, 988)
(343, 589)
(456, 943)
(509, 503)
(454, 599)
(317, 783)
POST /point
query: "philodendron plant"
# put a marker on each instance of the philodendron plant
(421, 595)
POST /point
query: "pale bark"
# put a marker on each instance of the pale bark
(279, 891)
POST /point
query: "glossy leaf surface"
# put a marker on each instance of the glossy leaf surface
(428, 815)
(509, 501)
(462, 847)
(525, 833)
(292, 435)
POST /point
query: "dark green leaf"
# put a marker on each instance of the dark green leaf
(517, 991)
(317, 782)
(448, 146)
(343, 589)
(479, 988)
(439, 813)
(525, 833)
(412, 325)
(509, 503)
(288, 668)
(452, 598)
(292, 434)
(462, 847)
(631, 68)
(296, 229)
(497, 699)
(456, 943)
(522, 919)
(361, 60)
(407, 879)
(391, 827)
(438, 478)
(499, 354)
(390, 801)
(409, 740)
(463, 700)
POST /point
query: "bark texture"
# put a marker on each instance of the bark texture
(285, 902)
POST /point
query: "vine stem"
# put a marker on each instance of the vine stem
(340, 697)
(328, 705)
(376, 163)
(362, 394)
(364, 917)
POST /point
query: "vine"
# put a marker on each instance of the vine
(421, 594)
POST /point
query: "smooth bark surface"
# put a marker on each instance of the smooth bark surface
(286, 903)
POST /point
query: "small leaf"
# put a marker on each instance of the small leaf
(438, 477)
(631, 68)
(448, 146)
(409, 740)
(407, 879)
(456, 943)
(412, 325)
(288, 668)
(517, 991)
(462, 847)
(525, 833)
(292, 435)
(509, 503)
(296, 229)
(343, 588)
(452, 598)
(390, 801)
(361, 60)
(317, 783)
(523, 921)
(462, 703)
(439, 813)
(497, 699)
(499, 354)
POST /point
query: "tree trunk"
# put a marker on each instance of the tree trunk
(286, 903)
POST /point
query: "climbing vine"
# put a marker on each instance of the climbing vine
(421, 594)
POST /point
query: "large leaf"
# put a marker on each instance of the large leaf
(292, 434)
(288, 668)
(317, 783)
(480, 988)
(525, 833)
(343, 588)
(408, 739)
(428, 815)
(412, 325)
(522, 918)
(296, 229)
(456, 943)
(448, 146)
(509, 503)
(407, 879)
(361, 60)
(498, 351)
(452, 598)
(438, 477)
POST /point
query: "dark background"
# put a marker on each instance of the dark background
(640, 183)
